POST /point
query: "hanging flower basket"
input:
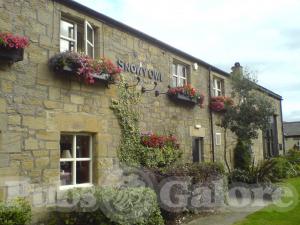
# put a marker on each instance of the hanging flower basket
(12, 47)
(186, 95)
(85, 68)
(219, 103)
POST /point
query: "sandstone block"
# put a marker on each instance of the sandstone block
(34, 122)
(31, 144)
(52, 104)
(76, 99)
(10, 142)
(14, 119)
(2, 105)
(42, 162)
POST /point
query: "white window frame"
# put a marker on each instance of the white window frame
(176, 74)
(74, 160)
(217, 91)
(75, 34)
(218, 139)
(87, 42)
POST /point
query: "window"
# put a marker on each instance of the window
(218, 87)
(218, 138)
(179, 75)
(75, 160)
(77, 37)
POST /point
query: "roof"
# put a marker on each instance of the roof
(291, 129)
(121, 26)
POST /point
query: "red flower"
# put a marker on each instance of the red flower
(158, 141)
(13, 41)
(218, 103)
(188, 91)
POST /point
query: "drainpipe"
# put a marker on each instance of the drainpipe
(211, 116)
(283, 140)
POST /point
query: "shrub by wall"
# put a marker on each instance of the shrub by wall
(109, 206)
(17, 212)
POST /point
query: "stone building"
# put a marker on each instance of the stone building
(42, 114)
(291, 135)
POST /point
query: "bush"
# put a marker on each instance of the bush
(242, 156)
(293, 156)
(260, 173)
(17, 212)
(283, 168)
(160, 157)
(110, 206)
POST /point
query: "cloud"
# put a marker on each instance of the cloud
(261, 34)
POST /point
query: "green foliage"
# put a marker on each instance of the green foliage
(17, 212)
(124, 109)
(242, 155)
(131, 151)
(160, 157)
(252, 111)
(260, 173)
(293, 156)
(129, 206)
(283, 168)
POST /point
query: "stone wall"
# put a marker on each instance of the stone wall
(291, 142)
(37, 105)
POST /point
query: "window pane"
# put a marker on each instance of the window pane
(174, 81)
(90, 34)
(219, 84)
(179, 70)
(66, 173)
(66, 146)
(183, 71)
(174, 69)
(180, 82)
(90, 51)
(82, 146)
(67, 29)
(83, 172)
(66, 45)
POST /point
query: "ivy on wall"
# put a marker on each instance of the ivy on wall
(131, 151)
(128, 120)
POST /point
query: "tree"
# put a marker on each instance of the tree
(249, 114)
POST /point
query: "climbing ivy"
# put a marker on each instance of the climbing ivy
(131, 150)
(128, 119)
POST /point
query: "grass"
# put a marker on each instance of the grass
(274, 215)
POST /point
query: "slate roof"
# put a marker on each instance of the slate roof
(291, 129)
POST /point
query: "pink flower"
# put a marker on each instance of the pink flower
(13, 41)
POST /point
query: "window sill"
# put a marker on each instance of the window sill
(67, 187)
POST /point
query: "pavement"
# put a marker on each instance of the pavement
(227, 216)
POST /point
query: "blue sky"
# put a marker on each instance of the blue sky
(263, 35)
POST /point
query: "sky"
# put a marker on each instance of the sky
(263, 35)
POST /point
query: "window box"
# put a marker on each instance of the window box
(85, 68)
(12, 47)
(181, 98)
(186, 95)
(11, 54)
(101, 77)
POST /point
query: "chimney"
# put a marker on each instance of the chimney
(237, 69)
